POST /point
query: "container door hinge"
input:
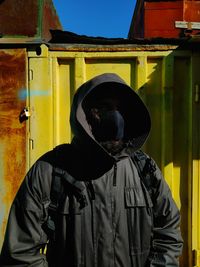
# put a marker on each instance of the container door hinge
(196, 257)
(196, 94)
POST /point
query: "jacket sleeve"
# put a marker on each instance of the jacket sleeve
(24, 237)
(167, 241)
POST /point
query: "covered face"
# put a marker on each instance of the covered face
(110, 114)
(103, 113)
(104, 116)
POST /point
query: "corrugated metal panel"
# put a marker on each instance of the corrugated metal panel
(40, 13)
(162, 78)
(166, 80)
(158, 19)
(12, 132)
(163, 14)
(196, 162)
(13, 24)
(182, 138)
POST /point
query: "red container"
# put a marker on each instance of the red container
(165, 19)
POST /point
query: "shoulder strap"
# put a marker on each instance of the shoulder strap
(56, 191)
(61, 186)
(146, 168)
(55, 197)
(63, 183)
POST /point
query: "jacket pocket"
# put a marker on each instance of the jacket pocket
(134, 197)
(138, 207)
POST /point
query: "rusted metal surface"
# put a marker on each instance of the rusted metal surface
(12, 132)
(50, 19)
(69, 41)
(164, 15)
(191, 11)
(30, 18)
(23, 41)
(157, 19)
(19, 17)
(112, 48)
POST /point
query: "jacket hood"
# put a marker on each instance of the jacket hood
(135, 113)
(92, 158)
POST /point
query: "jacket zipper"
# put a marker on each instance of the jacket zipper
(115, 174)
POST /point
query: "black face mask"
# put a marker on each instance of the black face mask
(107, 125)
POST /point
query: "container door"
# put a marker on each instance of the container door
(196, 163)
(40, 104)
(182, 147)
(53, 79)
(167, 93)
(51, 83)
(13, 120)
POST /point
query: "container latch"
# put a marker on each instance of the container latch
(24, 114)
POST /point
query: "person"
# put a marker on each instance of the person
(84, 203)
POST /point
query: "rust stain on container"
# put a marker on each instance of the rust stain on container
(12, 132)
(50, 20)
(125, 48)
(157, 19)
(19, 18)
(31, 18)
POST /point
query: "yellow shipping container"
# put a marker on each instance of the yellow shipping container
(168, 80)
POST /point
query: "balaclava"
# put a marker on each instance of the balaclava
(106, 121)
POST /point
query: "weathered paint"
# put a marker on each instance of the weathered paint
(160, 17)
(50, 20)
(39, 16)
(191, 11)
(13, 24)
(164, 79)
(157, 18)
(196, 162)
(12, 133)
(113, 48)
(182, 145)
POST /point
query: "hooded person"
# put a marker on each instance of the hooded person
(100, 213)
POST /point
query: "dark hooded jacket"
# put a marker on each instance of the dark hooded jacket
(105, 216)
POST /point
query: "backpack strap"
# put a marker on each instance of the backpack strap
(56, 191)
(56, 194)
(69, 185)
(63, 183)
(146, 168)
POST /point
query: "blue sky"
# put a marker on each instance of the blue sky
(105, 18)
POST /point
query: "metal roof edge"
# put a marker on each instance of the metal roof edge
(111, 48)
(28, 40)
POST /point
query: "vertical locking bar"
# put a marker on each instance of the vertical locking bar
(31, 143)
(196, 258)
(30, 75)
(196, 95)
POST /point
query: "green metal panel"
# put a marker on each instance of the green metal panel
(182, 105)
(195, 199)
